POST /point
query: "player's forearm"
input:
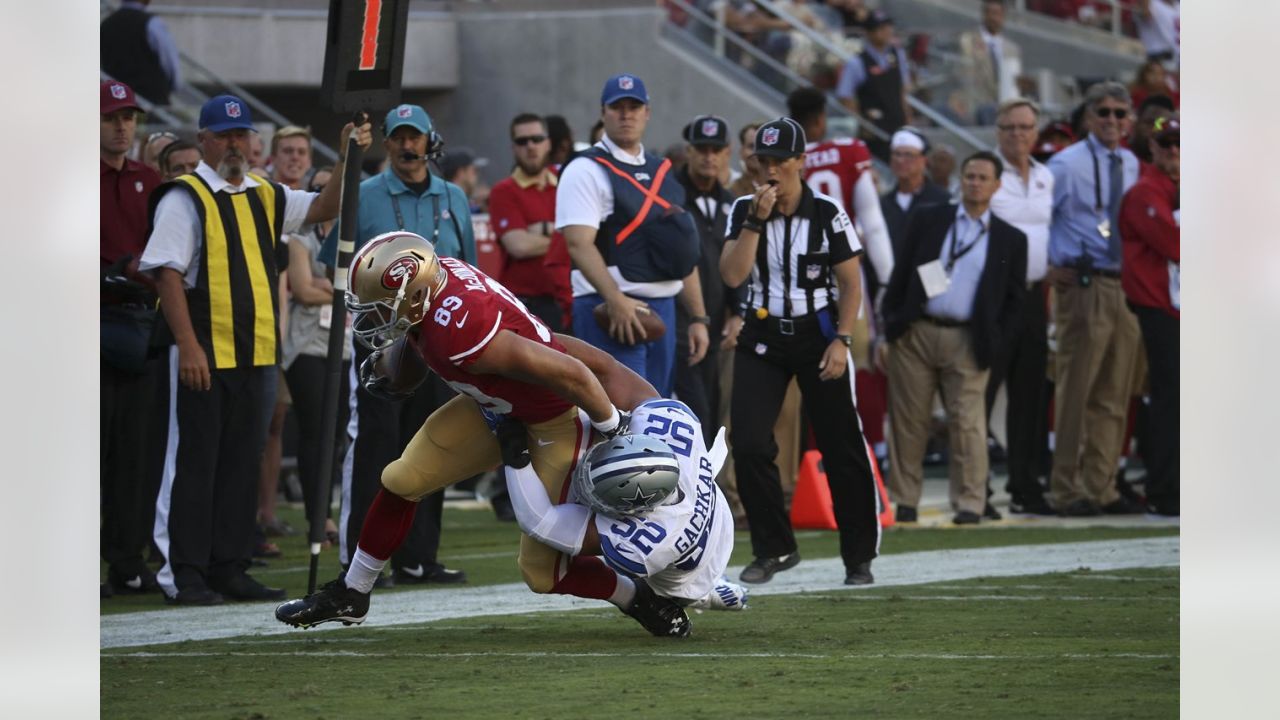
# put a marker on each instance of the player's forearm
(849, 280)
(691, 295)
(737, 256)
(561, 527)
(625, 388)
(173, 303)
(587, 259)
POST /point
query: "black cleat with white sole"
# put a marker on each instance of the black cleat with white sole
(333, 602)
(662, 617)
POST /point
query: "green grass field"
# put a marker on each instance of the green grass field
(1071, 644)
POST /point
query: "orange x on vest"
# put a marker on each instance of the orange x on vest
(650, 195)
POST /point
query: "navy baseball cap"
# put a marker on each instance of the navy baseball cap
(225, 112)
(707, 130)
(781, 138)
(623, 86)
(412, 115)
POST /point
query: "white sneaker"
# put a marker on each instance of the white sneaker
(726, 595)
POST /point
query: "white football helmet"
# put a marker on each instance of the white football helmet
(391, 283)
(628, 475)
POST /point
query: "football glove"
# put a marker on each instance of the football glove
(513, 439)
(378, 385)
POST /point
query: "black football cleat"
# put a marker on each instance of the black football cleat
(662, 617)
(333, 602)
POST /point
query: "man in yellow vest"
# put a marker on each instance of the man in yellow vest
(215, 239)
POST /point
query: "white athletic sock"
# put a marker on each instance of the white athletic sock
(624, 593)
(364, 571)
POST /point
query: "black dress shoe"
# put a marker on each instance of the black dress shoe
(1163, 508)
(905, 514)
(1079, 508)
(762, 570)
(136, 583)
(860, 575)
(966, 517)
(243, 587)
(1033, 505)
(428, 575)
(195, 596)
(1124, 506)
(991, 513)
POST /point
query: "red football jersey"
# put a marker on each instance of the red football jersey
(469, 311)
(833, 167)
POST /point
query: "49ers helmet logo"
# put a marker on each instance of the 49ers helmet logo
(400, 272)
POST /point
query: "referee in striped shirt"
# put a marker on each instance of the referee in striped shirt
(798, 253)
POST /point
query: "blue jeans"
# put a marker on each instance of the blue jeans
(654, 361)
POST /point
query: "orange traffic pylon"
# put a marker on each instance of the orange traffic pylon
(811, 504)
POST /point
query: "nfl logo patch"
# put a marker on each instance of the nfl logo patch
(137, 185)
(404, 111)
(118, 92)
(770, 136)
(626, 83)
(812, 271)
(233, 109)
(710, 127)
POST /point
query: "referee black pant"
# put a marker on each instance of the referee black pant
(1021, 367)
(126, 465)
(379, 431)
(306, 378)
(765, 363)
(208, 501)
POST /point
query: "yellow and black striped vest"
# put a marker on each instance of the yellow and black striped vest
(233, 305)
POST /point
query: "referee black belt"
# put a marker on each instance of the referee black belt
(944, 322)
(1113, 274)
(786, 326)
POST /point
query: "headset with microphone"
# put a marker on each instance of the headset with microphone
(435, 147)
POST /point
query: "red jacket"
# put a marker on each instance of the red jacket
(1151, 240)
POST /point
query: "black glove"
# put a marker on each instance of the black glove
(622, 428)
(513, 439)
(378, 385)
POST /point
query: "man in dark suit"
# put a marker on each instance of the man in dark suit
(955, 293)
(913, 189)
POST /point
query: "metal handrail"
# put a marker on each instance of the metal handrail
(938, 118)
(722, 34)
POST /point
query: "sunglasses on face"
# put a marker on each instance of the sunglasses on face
(1106, 112)
(1168, 143)
(1010, 127)
(522, 141)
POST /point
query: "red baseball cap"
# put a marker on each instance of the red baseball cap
(117, 96)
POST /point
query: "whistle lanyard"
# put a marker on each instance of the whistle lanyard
(435, 216)
(956, 252)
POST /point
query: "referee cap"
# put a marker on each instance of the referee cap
(707, 130)
(225, 112)
(781, 138)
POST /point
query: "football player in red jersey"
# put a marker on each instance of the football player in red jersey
(481, 340)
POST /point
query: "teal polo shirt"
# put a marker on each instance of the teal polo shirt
(377, 215)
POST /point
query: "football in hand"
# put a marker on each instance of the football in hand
(403, 367)
(653, 326)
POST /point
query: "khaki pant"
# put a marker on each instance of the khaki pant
(455, 443)
(786, 432)
(1097, 341)
(926, 358)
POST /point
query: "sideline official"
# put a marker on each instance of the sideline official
(798, 252)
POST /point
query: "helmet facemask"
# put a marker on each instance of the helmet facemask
(398, 277)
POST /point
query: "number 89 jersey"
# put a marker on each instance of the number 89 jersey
(682, 547)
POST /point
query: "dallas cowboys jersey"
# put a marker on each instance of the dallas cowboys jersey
(682, 547)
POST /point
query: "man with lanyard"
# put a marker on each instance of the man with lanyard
(794, 249)
(620, 211)
(707, 201)
(1097, 334)
(214, 240)
(405, 196)
(953, 298)
(874, 82)
(1024, 200)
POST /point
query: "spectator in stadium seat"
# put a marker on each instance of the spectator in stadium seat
(913, 189)
(854, 14)
(136, 49)
(940, 162)
(1152, 80)
(1150, 221)
(155, 143)
(179, 158)
(1052, 139)
(990, 62)
(1157, 22)
(561, 142)
(461, 167)
(1152, 109)
(1024, 200)
(1097, 335)
(875, 82)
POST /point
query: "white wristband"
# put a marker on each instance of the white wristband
(609, 425)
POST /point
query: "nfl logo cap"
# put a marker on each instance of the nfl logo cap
(623, 86)
(115, 95)
(781, 138)
(225, 112)
(412, 115)
(707, 130)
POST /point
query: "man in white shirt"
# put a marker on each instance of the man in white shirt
(634, 248)
(1024, 200)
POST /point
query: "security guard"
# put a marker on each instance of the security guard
(405, 196)
(213, 246)
(798, 253)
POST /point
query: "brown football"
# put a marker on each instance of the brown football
(403, 365)
(653, 326)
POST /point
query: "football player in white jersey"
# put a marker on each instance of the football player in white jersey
(648, 504)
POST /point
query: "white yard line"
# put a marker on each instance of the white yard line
(640, 653)
(826, 575)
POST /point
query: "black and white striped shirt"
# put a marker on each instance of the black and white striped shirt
(819, 232)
